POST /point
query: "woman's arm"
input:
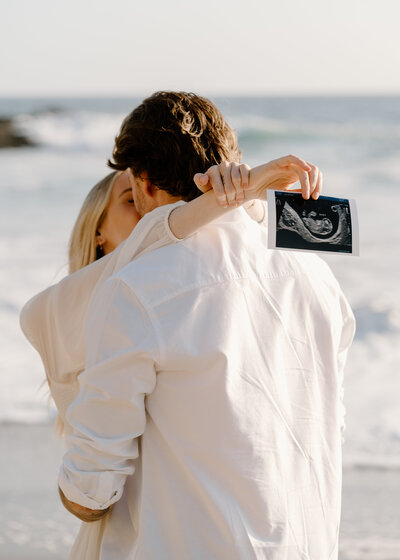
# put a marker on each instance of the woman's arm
(229, 185)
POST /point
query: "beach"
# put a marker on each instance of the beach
(35, 526)
(356, 143)
(33, 523)
(370, 528)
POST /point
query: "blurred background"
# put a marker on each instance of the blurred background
(317, 79)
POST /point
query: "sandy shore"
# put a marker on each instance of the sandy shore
(34, 525)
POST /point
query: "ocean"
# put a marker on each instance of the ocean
(354, 140)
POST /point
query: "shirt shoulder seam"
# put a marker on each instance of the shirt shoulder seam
(151, 316)
(232, 278)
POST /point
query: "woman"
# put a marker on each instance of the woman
(107, 217)
(54, 320)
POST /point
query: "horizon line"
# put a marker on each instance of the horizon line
(125, 95)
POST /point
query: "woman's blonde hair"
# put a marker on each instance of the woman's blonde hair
(83, 247)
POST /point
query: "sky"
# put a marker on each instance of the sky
(214, 47)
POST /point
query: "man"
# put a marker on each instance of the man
(208, 424)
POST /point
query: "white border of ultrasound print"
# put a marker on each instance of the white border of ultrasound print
(272, 229)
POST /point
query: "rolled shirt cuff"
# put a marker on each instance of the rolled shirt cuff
(89, 516)
(106, 496)
(167, 227)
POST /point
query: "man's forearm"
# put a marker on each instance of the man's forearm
(83, 513)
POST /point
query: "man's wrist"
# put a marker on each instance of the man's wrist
(83, 513)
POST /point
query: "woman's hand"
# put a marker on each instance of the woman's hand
(229, 181)
(234, 183)
(281, 174)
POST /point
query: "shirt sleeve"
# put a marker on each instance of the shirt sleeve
(108, 416)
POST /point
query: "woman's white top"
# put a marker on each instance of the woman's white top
(54, 320)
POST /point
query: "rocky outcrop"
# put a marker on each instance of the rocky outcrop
(10, 138)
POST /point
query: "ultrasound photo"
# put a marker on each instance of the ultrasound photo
(327, 224)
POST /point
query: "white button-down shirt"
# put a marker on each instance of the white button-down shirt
(210, 407)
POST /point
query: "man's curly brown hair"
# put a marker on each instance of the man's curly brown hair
(172, 136)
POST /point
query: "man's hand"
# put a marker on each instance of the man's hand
(83, 513)
(234, 183)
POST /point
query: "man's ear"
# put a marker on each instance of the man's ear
(147, 186)
(142, 181)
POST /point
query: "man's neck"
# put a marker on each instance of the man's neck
(159, 198)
